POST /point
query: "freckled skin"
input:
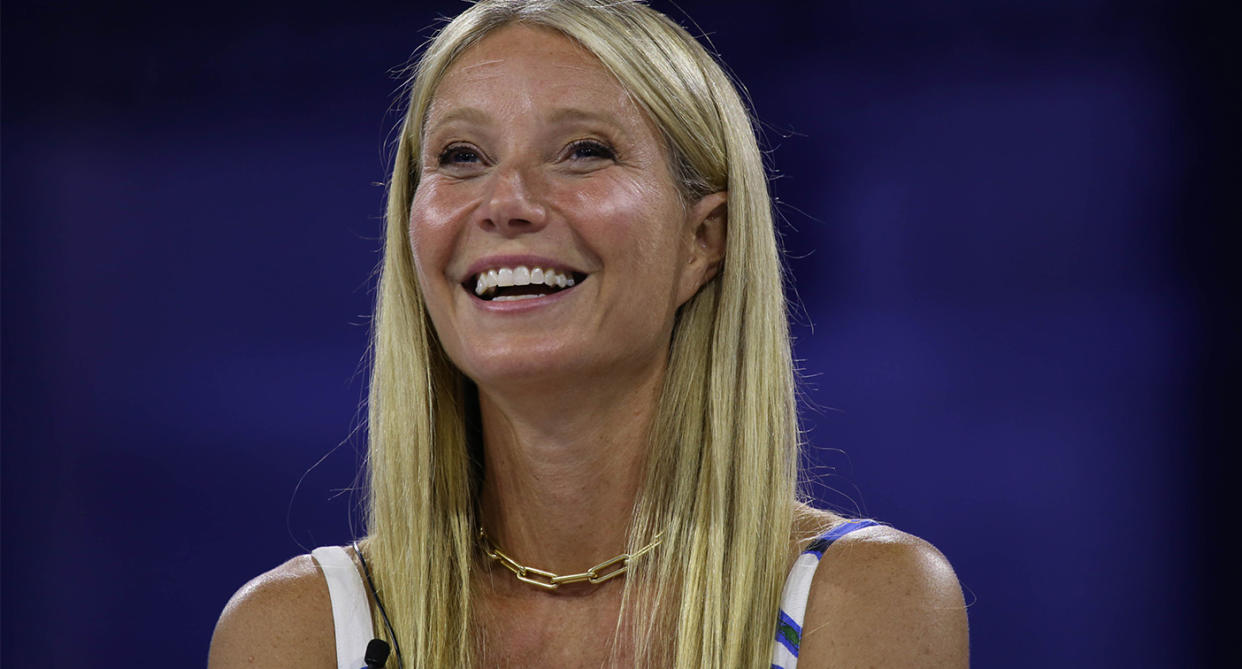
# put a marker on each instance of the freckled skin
(883, 598)
(512, 107)
(282, 618)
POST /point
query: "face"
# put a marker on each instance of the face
(549, 237)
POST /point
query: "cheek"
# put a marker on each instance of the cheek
(431, 245)
(638, 235)
(433, 232)
(629, 213)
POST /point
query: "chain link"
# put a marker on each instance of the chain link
(608, 569)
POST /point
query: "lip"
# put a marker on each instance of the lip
(518, 306)
(521, 306)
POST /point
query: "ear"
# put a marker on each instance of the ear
(706, 228)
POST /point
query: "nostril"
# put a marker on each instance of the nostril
(511, 207)
(510, 225)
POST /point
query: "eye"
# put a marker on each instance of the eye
(459, 154)
(591, 149)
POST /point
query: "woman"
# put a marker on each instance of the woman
(581, 352)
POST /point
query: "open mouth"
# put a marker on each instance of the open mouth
(507, 284)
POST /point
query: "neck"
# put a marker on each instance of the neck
(563, 469)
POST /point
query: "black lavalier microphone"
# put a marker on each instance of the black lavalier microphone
(384, 614)
(376, 655)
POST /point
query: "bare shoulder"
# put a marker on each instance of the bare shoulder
(282, 618)
(882, 597)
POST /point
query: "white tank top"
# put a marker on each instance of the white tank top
(351, 610)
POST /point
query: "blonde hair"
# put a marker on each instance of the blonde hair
(721, 485)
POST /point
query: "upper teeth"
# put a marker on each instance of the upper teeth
(520, 276)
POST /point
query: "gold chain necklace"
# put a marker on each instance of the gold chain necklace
(610, 568)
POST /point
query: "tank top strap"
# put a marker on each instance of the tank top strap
(798, 589)
(351, 611)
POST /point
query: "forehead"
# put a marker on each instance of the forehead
(523, 68)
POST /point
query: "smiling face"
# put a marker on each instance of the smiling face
(549, 237)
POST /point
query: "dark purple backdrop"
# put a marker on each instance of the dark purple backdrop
(1003, 222)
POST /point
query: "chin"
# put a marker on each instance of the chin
(515, 366)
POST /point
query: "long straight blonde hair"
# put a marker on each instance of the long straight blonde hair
(721, 483)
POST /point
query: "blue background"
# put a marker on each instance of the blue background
(1006, 222)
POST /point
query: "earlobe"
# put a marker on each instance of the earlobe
(707, 220)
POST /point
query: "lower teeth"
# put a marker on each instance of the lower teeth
(512, 298)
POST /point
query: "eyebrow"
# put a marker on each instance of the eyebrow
(467, 114)
(570, 114)
(562, 115)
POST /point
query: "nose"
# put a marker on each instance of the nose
(512, 206)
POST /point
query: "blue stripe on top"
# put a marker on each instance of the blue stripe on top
(788, 631)
(825, 540)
